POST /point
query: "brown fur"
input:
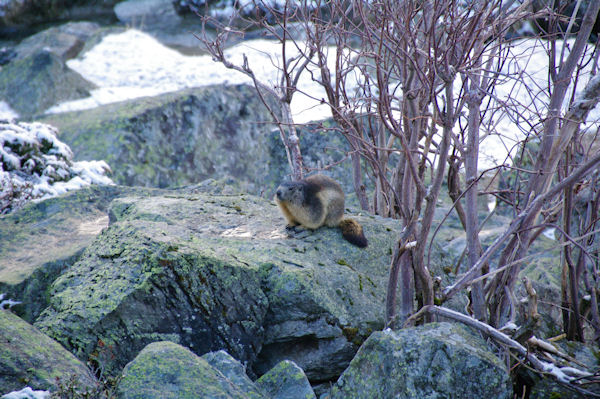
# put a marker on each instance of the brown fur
(316, 201)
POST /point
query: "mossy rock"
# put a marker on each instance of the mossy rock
(175, 139)
(439, 360)
(38, 81)
(30, 358)
(165, 370)
(40, 241)
(216, 271)
(286, 381)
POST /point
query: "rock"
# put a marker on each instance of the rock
(286, 381)
(40, 241)
(438, 360)
(234, 371)
(28, 357)
(168, 370)
(19, 17)
(218, 272)
(147, 12)
(32, 84)
(165, 370)
(64, 41)
(175, 139)
(7, 54)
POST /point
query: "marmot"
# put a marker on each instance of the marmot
(316, 201)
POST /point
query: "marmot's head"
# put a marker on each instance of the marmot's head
(293, 192)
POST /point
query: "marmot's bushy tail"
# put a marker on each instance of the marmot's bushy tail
(352, 231)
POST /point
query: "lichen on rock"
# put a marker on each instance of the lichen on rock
(431, 361)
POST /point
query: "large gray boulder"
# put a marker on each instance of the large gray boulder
(65, 41)
(440, 360)
(42, 240)
(32, 84)
(28, 357)
(177, 138)
(21, 16)
(36, 78)
(219, 272)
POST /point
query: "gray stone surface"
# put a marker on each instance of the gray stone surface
(165, 370)
(286, 381)
(215, 271)
(64, 41)
(234, 371)
(28, 357)
(439, 360)
(42, 240)
(177, 138)
(32, 84)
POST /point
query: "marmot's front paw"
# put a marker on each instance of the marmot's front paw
(296, 231)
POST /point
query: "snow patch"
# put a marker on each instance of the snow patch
(133, 64)
(27, 393)
(36, 165)
(7, 303)
(7, 113)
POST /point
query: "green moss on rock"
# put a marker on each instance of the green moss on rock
(28, 357)
(165, 370)
(286, 381)
(437, 360)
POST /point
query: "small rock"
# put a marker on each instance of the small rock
(147, 12)
(234, 371)
(286, 381)
(165, 370)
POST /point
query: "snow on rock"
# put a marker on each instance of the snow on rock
(7, 303)
(36, 165)
(6, 112)
(133, 64)
(26, 393)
